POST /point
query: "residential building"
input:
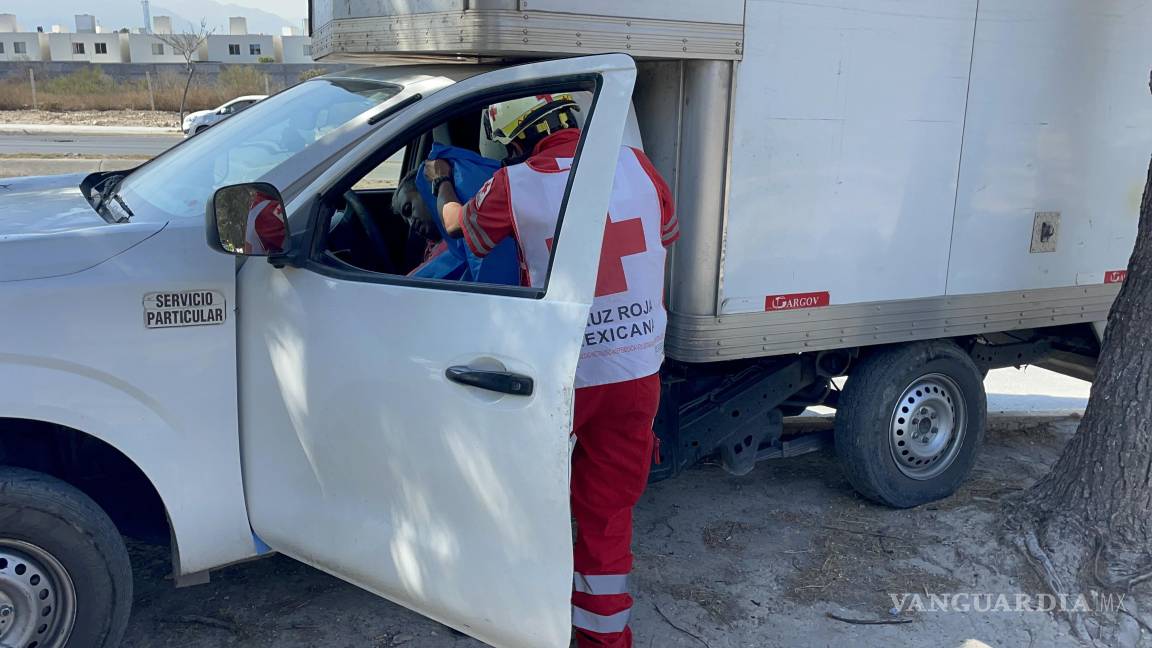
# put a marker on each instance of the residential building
(294, 49)
(88, 43)
(146, 48)
(241, 48)
(23, 46)
(95, 48)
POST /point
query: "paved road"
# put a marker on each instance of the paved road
(90, 145)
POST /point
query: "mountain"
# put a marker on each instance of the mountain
(115, 14)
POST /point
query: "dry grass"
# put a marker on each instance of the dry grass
(91, 89)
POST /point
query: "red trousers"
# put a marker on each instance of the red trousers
(610, 464)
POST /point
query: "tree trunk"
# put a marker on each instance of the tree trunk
(1088, 523)
(184, 97)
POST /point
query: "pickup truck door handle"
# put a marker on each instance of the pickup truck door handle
(504, 382)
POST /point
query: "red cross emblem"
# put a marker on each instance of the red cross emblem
(621, 239)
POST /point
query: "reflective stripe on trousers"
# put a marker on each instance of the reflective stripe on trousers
(600, 585)
(599, 623)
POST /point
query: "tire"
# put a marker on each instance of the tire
(199, 129)
(910, 422)
(65, 579)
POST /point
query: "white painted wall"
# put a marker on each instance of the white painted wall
(293, 49)
(140, 50)
(216, 48)
(60, 48)
(33, 50)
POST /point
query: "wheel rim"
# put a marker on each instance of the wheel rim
(37, 597)
(928, 424)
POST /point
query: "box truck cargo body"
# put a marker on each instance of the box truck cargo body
(879, 201)
(849, 176)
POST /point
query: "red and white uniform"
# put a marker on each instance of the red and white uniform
(618, 386)
(625, 333)
(266, 232)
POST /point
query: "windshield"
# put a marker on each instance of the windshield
(248, 145)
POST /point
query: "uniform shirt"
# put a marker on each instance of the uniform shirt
(488, 218)
(624, 337)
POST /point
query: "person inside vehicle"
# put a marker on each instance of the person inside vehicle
(617, 380)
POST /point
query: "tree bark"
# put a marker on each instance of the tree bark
(187, 84)
(1088, 523)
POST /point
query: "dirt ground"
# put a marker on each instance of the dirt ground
(91, 117)
(722, 562)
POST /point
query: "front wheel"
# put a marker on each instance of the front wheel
(65, 579)
(910, 422)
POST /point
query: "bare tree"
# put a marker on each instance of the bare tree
(1087, 526)
(187, 45)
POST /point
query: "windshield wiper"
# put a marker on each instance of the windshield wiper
(107, 192)
(120, 201)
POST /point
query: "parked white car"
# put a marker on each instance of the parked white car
(201, 119)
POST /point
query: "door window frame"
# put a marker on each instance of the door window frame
(314, 258)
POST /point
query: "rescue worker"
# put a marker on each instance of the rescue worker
(617, 380)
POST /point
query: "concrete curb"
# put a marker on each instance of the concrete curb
(18, 167)
(33, 129)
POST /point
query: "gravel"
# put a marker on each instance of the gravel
(92, 117)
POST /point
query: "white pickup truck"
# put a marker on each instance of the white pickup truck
(902, 195)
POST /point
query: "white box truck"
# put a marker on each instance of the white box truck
(905, 194)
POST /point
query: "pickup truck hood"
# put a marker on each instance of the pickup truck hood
(48, 229)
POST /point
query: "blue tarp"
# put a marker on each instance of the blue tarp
(469, 172)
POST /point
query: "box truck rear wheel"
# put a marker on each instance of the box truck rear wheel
(65, 580)
(910, 422)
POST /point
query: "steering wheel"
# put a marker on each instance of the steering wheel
(375, 236)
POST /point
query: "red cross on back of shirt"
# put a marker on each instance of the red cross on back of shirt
(621, 239)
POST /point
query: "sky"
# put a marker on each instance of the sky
(291, 10)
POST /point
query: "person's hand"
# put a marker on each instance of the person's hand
(437, 169)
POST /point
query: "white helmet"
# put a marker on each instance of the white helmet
(529, 117)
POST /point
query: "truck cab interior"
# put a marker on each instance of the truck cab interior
(382, 224)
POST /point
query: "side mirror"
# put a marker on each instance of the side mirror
(247, 220)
